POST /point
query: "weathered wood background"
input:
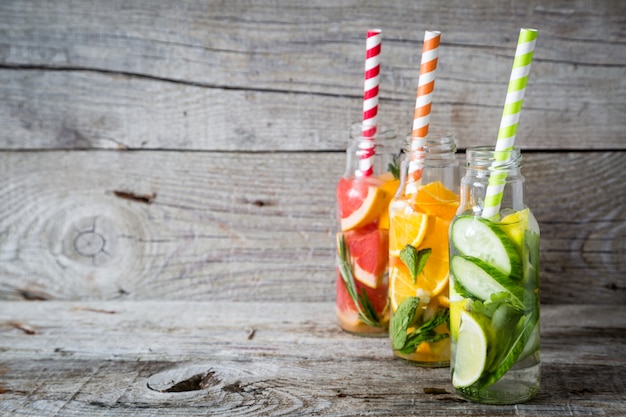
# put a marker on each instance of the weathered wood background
(167, 174)
(227, 121)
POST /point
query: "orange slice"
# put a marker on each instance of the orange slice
(441, 289)
(432, 282)
(389, 186)
(400, 284)
(424, 349)
(436, 200)
(434, 276)
(437, 237)
(443, 301)
(408, 228)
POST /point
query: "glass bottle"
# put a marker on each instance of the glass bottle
(363, 238)
(420, 215)
(494, 285)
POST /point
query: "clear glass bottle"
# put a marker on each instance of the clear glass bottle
(419, 218)
(363, 237)
(494, 286)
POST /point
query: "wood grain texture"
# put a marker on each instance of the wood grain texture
(237, 226)
(256, 227)
(218, 75)
(193, 358)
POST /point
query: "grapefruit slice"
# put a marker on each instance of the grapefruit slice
(345, 304)
(369, 254)
(360, 202)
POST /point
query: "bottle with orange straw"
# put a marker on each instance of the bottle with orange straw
(419, 217)
(363, 195)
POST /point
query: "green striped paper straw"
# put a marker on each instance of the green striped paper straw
(510, 120)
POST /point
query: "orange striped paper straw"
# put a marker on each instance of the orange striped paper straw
(421, 117)
(370, 103)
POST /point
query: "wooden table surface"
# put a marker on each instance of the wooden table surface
(149, 358)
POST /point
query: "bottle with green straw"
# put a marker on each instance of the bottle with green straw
(494, 264)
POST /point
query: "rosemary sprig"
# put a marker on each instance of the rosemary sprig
(367, 312)
(394, 165)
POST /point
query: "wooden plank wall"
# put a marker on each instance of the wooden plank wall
(157, 150)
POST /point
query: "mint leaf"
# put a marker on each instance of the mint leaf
(531, 240)
(488, 307)
(426, 333)
(414, 339)
(504, 319)
(401, 321)
(442, 316)
(405, 342)
(414, 260)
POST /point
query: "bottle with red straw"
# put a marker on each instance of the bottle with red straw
(418, 233)
(363, 195)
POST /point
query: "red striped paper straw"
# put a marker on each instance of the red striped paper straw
(421, 117)
(370, 103)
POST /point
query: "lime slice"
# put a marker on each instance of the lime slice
(471, 352)
(457, 305)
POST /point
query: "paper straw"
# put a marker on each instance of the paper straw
(421, 116)
(370, 103)
(510, 120)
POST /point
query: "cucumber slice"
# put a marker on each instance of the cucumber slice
(532, 345)
(522, 334)
(483, 239)
(503, 323)
(481, 280)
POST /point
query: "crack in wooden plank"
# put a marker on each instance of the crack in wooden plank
(140, 198)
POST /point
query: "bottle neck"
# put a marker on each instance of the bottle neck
(430, 160)
(384, 148)
(483, 160)
(481, 164)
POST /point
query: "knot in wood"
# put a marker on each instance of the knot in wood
(89, 243)
(92, 240)
(183, 380)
